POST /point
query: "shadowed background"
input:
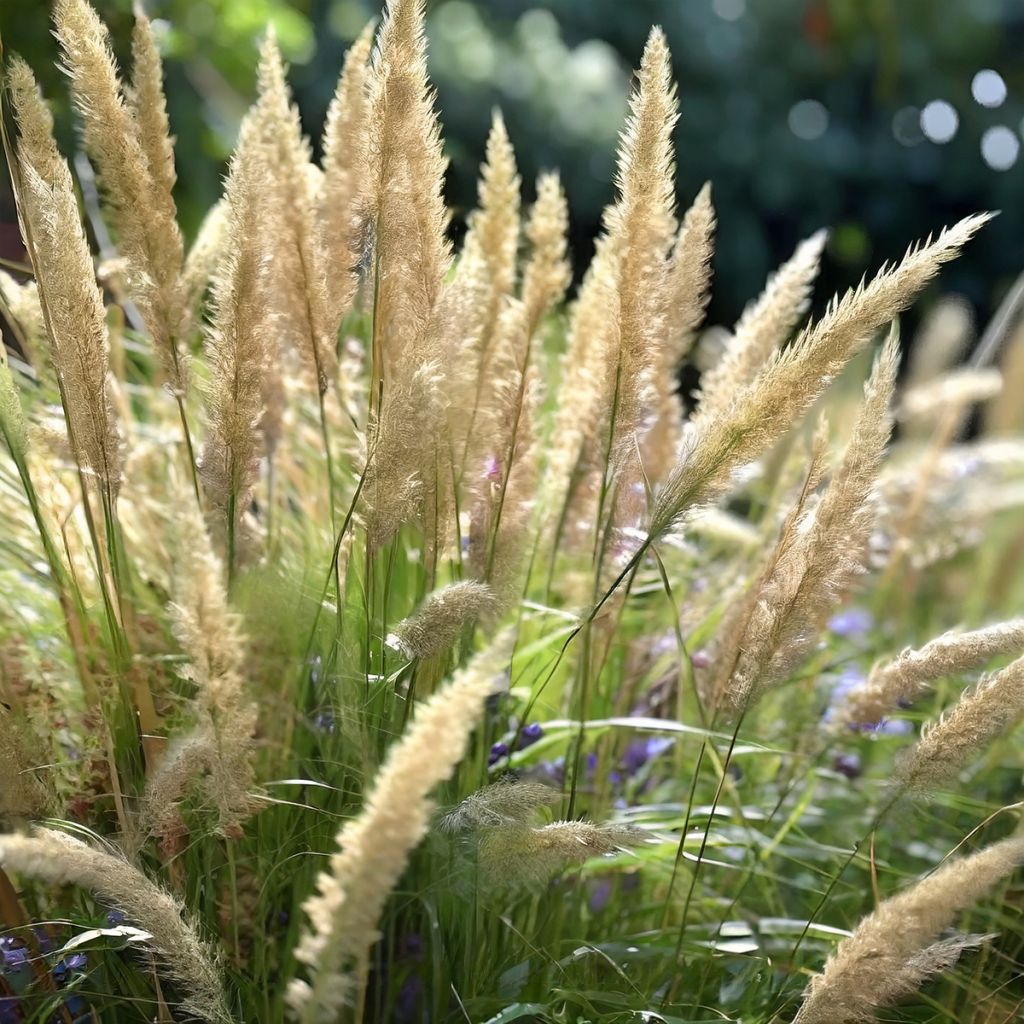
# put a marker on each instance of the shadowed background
(882, 119)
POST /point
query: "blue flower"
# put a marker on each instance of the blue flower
(600, 894)
(640, 752)
(848, 765)
(115, 919)
(67, 966)
(13, 959)
(851, 622)
(498, 751)
(10, 1011)
(530, 734)
(323, 721)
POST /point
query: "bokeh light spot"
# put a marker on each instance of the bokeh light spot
(808, 119)
(939, 121)
(1000, 148)
(988, 88)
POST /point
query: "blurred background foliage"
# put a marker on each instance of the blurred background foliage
(868, 116)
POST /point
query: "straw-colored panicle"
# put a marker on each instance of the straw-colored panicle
(502, 469)
(641, 224)
(690, 276)
(132, 152)
(509, 801)
(942, 340)
(341, 228)
(896, 948)
(12, 417)
(762, 329)
(488, 272)
(290, 232)
(513, 506)
(441, 618)
(23, 795)
(206, 252)
(71, 301)
(573, 462)
(980, 715)
(19, 302)
(185, 958)
(494, 227)
(547, 274)
(237, 346)
(907, 677)
(220, 745)
(818, 556)
(148, 105)
(374, 848)
(793, 380)
(688, 295)
(949, 496)
(948, 397)
(405, 185)
(1004, 415)
(511, 855)
(404, 477)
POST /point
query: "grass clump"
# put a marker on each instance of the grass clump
(385, 642)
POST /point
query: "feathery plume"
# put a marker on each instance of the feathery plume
(978, 717)
(406, 176)
(494, 227)
(949, 394)
(688, 295)
(20, 302)
(512, 855)
(762, 328)
(220, 745)
(374, 848)
(640, 224)
(573, 461)
(55, 857)
(690, 276)
(489, 273)
(506, 802)
(443, 615)
(206, 252)
(290, 220)
(1004, 415)
(894, 949)
(942, 340)
(345, 161)
(148, 105)
(547, 274)
(237, 346)
(818, 555)
(12, 416)
(72, 303)
(135, 164)
(793, 380)
(907, 676)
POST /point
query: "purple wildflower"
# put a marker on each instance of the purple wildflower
(67, 966)
(530, 734)
(851, 622)
(492, 468)
(498, 751)
(641, 751)
(701, 659)
(848, 765)
(323, 721)
(600, 894)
